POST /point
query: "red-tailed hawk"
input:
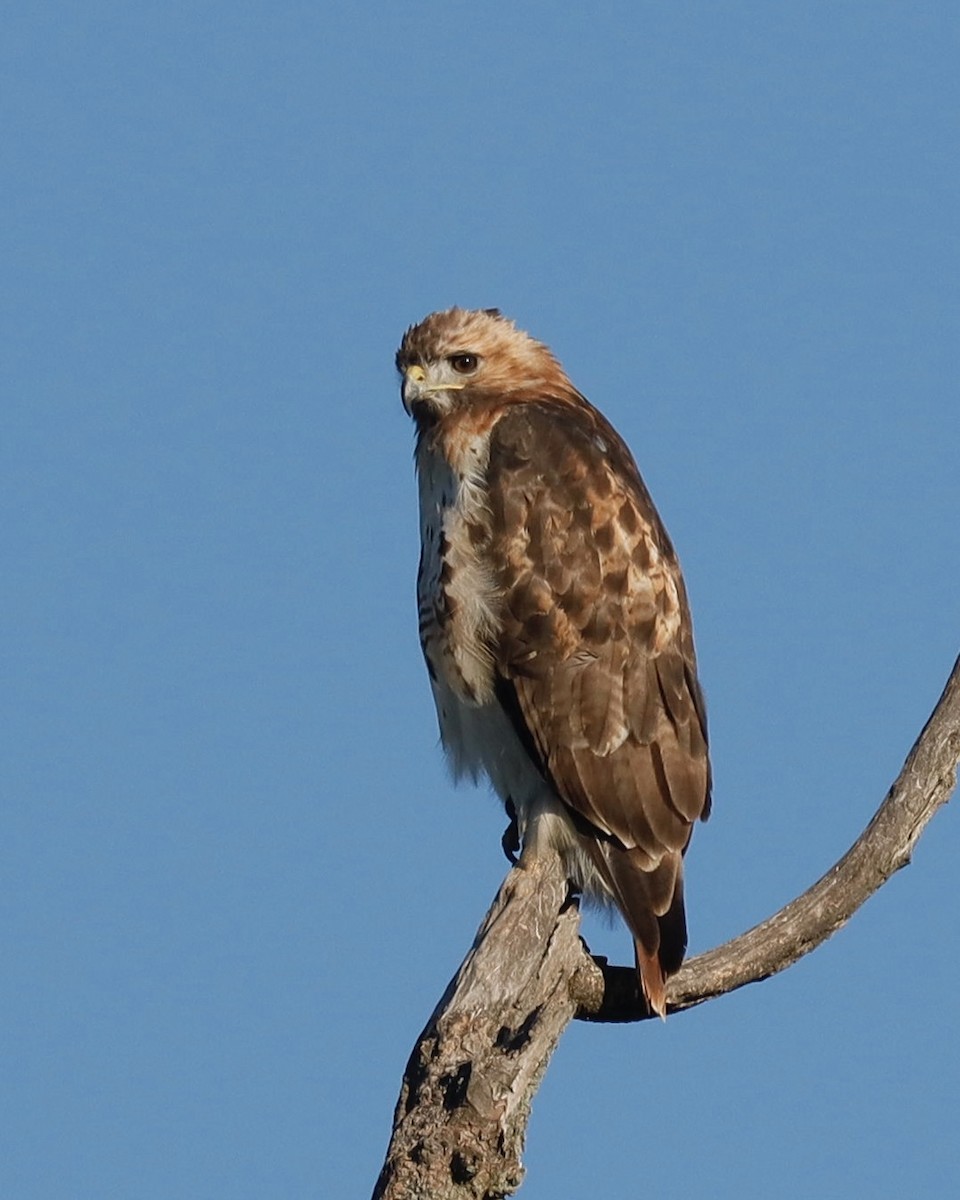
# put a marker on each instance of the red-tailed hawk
(554, 622)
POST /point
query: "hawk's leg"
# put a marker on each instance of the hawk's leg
(511, 835)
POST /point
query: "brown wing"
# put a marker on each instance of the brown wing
(597, 647)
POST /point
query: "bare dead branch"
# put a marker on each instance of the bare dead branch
(463, 1108)
(460, 1121)
(924, 784)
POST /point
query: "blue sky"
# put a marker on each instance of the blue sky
(236, 877)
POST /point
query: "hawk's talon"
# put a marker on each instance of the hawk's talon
(511, 835)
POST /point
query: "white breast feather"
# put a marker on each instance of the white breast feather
(458, 618)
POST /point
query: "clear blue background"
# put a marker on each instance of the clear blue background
(235, 877)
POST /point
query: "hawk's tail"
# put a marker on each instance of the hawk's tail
(653, 981)
(652, 905)
(655, 968)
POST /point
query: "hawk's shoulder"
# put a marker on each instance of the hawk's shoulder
(570, 450)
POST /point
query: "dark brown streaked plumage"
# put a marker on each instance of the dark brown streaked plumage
(555, 623)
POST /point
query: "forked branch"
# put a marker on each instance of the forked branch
(459, 1125)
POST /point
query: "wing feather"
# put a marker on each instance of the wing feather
(598, 648)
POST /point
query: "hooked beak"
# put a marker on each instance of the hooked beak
(411, 389)
(415, 388)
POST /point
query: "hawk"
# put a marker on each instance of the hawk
(554, 623)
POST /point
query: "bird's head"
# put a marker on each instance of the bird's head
(464, 357)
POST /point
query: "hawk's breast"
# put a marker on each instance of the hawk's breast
(460, 603)
(456, 591)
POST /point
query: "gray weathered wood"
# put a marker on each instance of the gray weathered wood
(463, 1108)
(460, 1121)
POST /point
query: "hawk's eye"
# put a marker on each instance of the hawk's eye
(464, 364)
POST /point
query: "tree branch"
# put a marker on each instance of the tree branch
(460, 1121)
(924, 784)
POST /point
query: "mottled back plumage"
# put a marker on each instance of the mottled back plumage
(555, 623)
